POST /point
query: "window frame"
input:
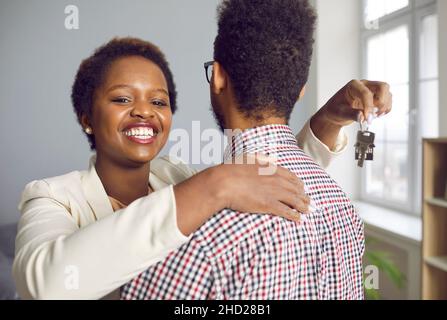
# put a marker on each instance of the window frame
(411, 16)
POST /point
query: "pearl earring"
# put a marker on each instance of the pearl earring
(88, 130)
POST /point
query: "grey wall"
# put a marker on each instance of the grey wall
(39, 134)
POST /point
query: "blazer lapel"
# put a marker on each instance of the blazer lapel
(95, 193)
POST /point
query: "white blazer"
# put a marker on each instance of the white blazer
(71, 245)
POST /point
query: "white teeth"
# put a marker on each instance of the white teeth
(141, 133)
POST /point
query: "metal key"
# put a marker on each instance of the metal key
(364, 148)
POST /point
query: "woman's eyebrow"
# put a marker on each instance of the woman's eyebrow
(162, 91)
(117, 86)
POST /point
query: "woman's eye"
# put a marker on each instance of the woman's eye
(159, 103)
(121, 100)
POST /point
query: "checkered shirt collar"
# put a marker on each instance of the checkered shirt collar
(263, 139)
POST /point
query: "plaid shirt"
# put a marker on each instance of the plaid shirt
(252, 256)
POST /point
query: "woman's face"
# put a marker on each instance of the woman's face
(131, 116)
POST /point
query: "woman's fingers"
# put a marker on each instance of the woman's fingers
(389, 105)
(295, 193)
(282, 210)
(290, 176)
(297, 188)
(288, 192)
(361, 98)
(292, 198)
(289, 189)
(368, 97)
(382, 95)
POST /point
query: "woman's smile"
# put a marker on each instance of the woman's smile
(144, 133)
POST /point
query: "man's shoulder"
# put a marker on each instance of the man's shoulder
(321, 187)
(230, 230)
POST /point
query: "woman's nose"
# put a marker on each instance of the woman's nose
(143, 109)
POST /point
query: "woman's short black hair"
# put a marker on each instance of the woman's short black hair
(92, 70)
(266, 48)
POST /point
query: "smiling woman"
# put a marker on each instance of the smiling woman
(130, 124)
(130, 209)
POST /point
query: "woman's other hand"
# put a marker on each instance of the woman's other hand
(359, 100)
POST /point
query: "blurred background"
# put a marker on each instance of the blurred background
(398, 41)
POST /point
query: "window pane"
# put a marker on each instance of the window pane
(388, 56)
(428, 84)
(397, 55)
(376, 57)
(396, 172)
(374, 173)
(376, 9)
(388, 60)
(379, 128)
(428, 109)
(394, 5)
(429, 47)
(387, 175)
(396, 122)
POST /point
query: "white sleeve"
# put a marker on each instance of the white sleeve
(317, 149)
(55, 259)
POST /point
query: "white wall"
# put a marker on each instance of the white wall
(337, 62)
(442, 12)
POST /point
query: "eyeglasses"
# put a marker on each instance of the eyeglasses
(208, 70)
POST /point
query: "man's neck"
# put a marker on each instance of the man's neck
(239, 122)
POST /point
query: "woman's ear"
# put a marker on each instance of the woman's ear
(219, 78)
(85, 123)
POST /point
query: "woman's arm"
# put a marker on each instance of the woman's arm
(317, 149)
(55, 259)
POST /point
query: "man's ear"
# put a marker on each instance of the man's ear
(219, 79)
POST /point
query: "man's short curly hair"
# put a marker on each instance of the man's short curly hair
(92, 71)
(266, 48)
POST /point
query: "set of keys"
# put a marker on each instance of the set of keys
(364, 148)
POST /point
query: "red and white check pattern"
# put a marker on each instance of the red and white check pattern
(249, 256)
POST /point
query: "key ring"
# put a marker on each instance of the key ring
(360, 122)
(361, 126)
